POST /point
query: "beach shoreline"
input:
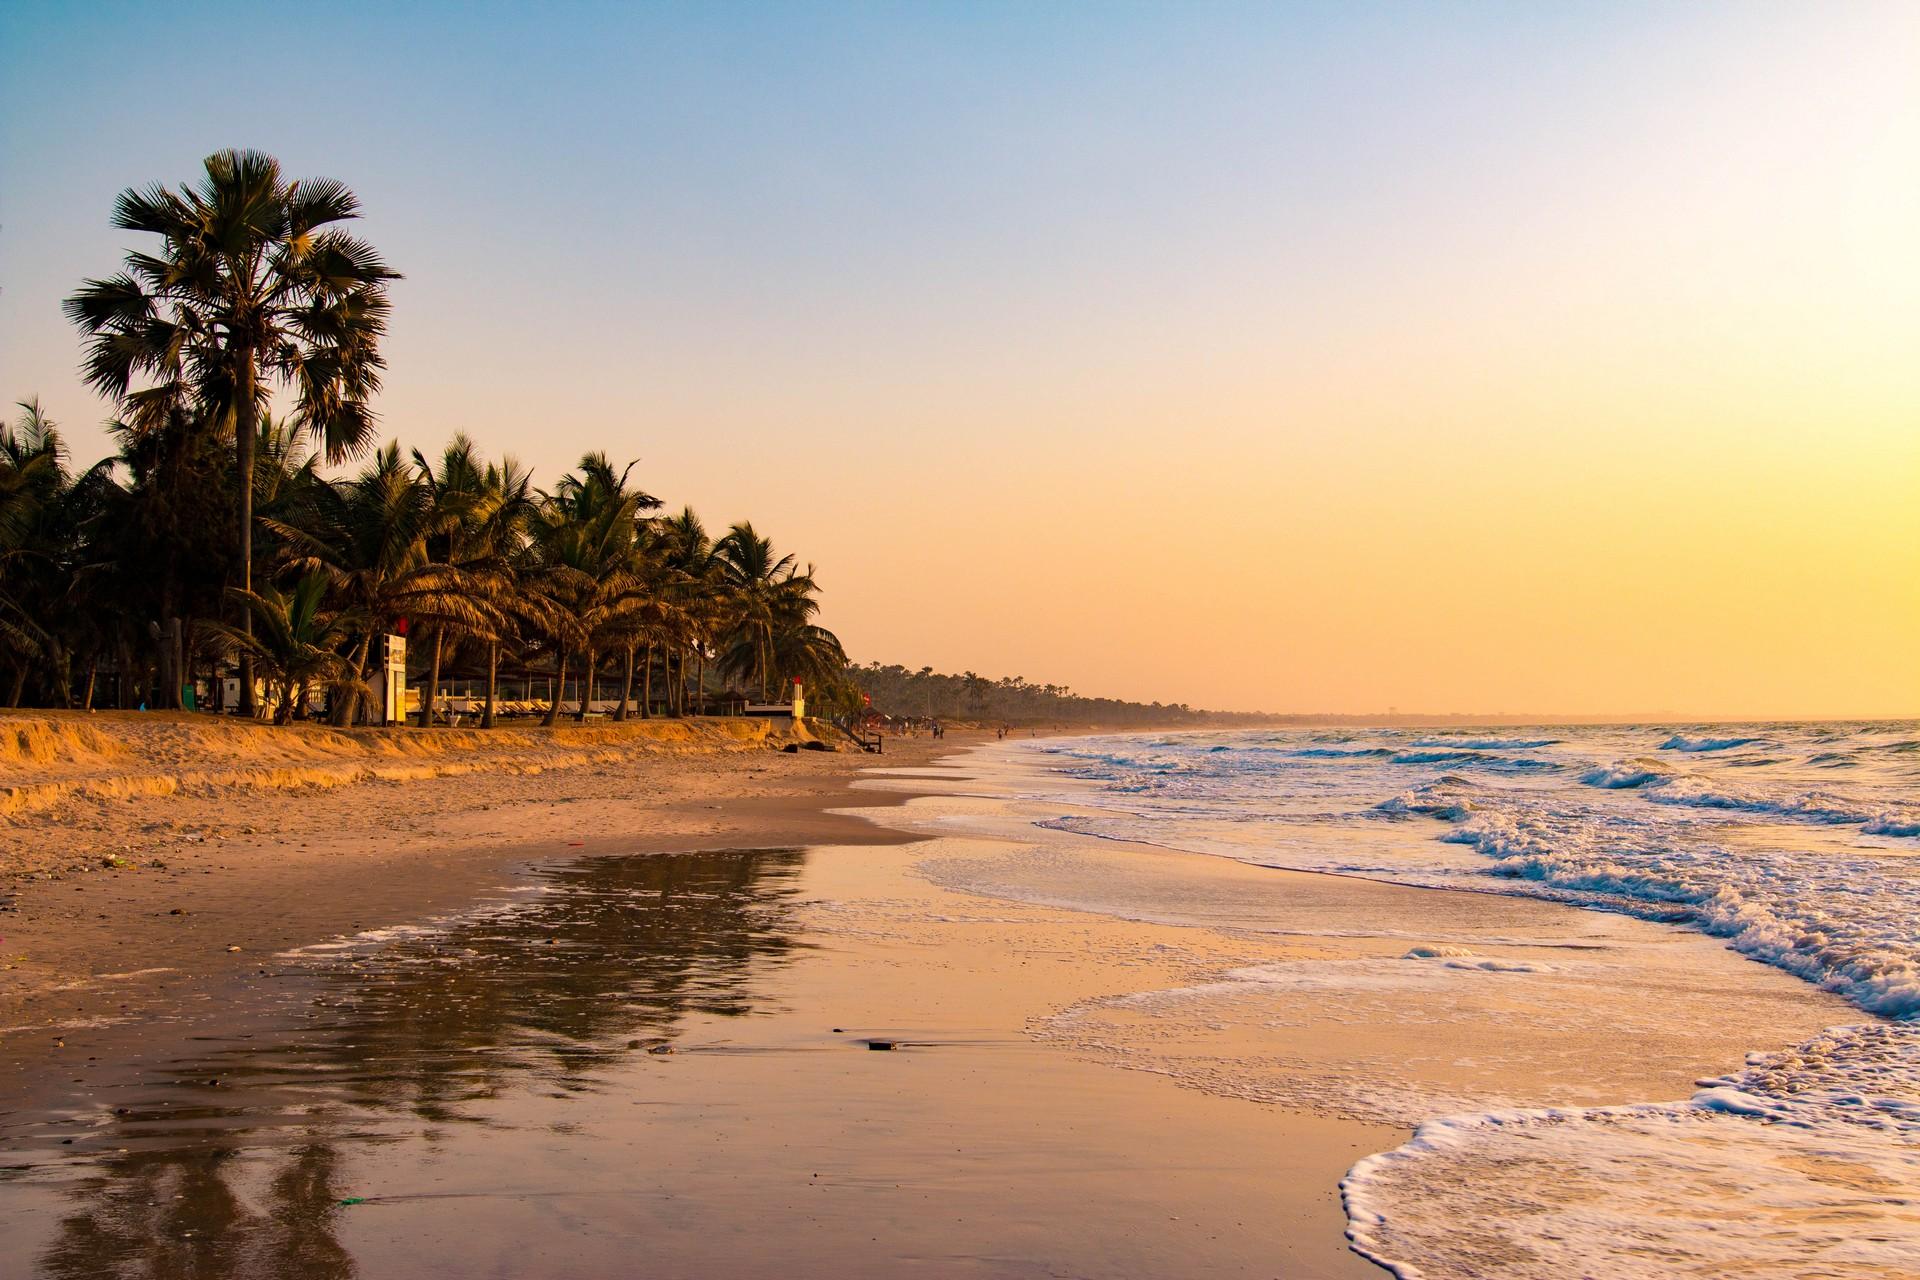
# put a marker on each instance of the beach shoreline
(1092, 1010)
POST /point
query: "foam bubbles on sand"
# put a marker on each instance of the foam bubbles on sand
(1785, 1169)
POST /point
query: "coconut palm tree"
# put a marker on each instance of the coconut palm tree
(767, 595)
(479, 510)
(48, 574)
(586, 539)
(498, 541)
(808, 653)
(253, 288)
(297, 641)
(370, 536)
(694, 604)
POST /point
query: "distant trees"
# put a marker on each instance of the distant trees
(896, 690)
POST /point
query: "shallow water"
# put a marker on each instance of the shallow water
(246, 1157)
(1797, 844)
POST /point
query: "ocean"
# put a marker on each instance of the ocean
(1798, 844)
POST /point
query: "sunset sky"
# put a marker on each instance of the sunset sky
(1485, 358)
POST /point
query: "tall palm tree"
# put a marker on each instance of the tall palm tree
(253, 288)
(499, 541)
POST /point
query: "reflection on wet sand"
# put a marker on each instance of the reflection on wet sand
(234, 1165)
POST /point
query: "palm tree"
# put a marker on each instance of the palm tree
(47, 562)
(370, 536)
(586, 538)
(254, 288)
(297, 641)
(499, 541)
(694, 603)
(808, 653)
(768, 596)
(478, 512)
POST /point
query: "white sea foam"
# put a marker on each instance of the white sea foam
(1786, 1168)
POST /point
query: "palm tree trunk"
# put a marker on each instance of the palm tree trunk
(433, 681)
(93, 670)
(646, 685)
(62, 677)
(700, 679)
(493, 680)
(19, 684)
(122, 673)
(626, 690)
(245, 424)
(344, 713)
(559, 692)
(586, 692)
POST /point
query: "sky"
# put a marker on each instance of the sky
(1481, 358)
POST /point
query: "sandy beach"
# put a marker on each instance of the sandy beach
(466, 1032)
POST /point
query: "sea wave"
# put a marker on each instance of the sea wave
(1340, 753)
(1700, 793)
(1474, 760)
(1680, 742)
(1486, 744)
(1617, 1191)
(1446, 798)
(1623, 776)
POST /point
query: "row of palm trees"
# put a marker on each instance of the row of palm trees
(585, 580)
(214, 534)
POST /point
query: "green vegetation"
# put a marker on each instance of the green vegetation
(896, 691)
(213, 538)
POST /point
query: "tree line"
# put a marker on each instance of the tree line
(900, 691)
(213, 537)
